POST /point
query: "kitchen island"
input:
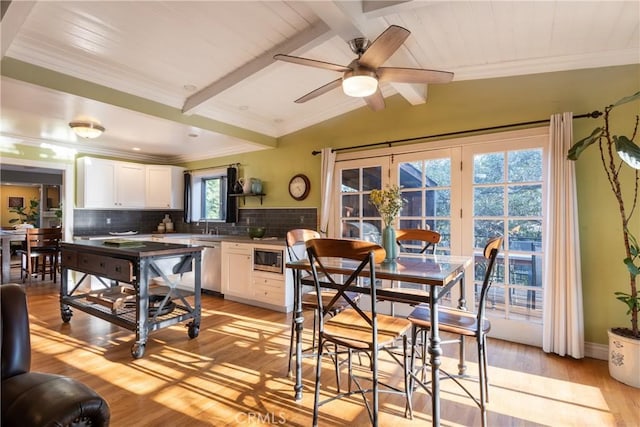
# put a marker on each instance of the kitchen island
(136, 305)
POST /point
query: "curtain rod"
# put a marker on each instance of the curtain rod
(212, 167)
(593, 115)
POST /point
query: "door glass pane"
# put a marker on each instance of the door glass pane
(359, 218)
(517, 289)
(350, 180)
(488, 168)
(488, 201)
(525, 200)
(426, 187)
(525, 166)
(371, 178)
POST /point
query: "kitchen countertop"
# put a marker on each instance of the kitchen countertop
(193, 236)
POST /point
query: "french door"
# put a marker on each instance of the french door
(468, 193)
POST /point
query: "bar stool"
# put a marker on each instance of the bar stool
(41, 244)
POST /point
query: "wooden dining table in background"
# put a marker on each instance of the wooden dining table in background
(436, 274)
(7, 237)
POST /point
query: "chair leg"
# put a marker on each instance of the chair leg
(291, 333)
(408, 411)
(316, 398)
(482, 380)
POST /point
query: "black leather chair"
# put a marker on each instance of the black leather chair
(31, 399)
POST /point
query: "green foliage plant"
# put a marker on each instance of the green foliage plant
(610, 145)
(27, 215)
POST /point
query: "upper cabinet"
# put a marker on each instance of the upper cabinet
(165, 187)
(108, 184)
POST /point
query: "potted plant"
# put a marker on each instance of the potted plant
(617, 152)
(26, 215)
(389, 204)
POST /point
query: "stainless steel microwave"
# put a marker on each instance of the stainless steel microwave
(270, 260)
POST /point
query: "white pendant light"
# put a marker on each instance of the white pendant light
(359, 83)
(88, 130)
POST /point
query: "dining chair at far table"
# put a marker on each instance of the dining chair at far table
(418, 241)
(40, 244)
(295, 241)
(356, 329)
(464, 324)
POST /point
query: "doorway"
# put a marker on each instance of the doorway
(30, 172)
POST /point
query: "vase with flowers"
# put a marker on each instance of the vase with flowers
(389, 203)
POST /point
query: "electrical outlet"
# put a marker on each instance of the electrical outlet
(108, 221)
(301, 219)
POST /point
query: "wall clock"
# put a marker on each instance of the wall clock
(299, 187)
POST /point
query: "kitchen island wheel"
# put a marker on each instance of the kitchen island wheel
(194, 329)
(137, 350)
(66, 314)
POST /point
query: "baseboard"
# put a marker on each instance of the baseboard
(596, 351)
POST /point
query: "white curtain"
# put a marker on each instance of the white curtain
(328, 164)
(563, 325)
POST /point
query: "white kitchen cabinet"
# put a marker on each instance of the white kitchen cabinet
(165, 187)
(240, 282)
(237, 266)
(95, 183)
(109, 184)
(130, 185)
(270, 289)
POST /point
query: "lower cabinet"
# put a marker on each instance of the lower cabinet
(240, 282)
(237, 265)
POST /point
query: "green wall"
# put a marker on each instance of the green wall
(478, 104)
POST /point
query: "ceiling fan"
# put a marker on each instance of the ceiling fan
(361, 77)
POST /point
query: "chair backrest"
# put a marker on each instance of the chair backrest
(322, 252)
(48, 238)
(428, 238)
(490, 253)
(298, 236)
(15, 340)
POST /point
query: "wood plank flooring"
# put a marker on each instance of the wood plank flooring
(234, 374)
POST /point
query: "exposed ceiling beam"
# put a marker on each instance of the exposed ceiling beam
(14, 13)
(29, 73)
(373, 8)
(312, 36)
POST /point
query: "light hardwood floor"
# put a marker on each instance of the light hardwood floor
(234, 373)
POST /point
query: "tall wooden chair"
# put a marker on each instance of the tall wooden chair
(41, 244)
(295, 242)
(464, 324)
(355, 329)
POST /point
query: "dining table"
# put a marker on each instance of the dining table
(8, 236)
(435, 274)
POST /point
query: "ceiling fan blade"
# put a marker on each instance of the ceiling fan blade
(375, 101)
(311, 63)
(320, 91)
(413, 75)
(384, 46)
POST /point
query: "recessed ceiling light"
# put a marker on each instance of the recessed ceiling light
(243, 107)
(136, 148)
(189, 88)
(193, 135)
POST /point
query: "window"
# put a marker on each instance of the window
(214, 197)
(209, 189)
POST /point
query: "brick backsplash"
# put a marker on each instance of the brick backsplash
(89, 222)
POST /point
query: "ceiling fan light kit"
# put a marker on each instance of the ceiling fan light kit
(87, 130)
(360, 78)
(359, 85)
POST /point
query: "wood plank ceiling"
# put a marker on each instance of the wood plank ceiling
(154, 73)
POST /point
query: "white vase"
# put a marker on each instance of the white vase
(624, 359)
